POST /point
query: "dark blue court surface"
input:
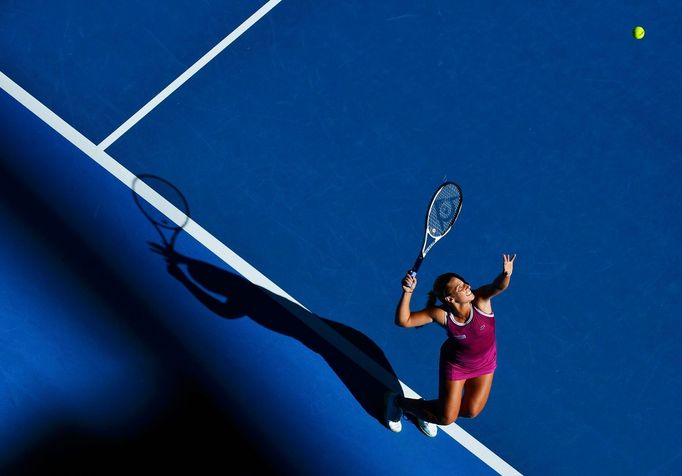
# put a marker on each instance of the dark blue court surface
(307, 143)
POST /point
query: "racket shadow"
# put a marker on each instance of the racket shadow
(367, 373)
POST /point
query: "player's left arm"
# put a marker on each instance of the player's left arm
(486, 292)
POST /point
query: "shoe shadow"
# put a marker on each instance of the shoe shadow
(358, 361)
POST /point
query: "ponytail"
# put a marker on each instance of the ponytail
(432, 299)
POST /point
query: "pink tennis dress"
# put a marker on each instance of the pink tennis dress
(470, 349)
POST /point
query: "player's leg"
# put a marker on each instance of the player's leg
(450, 400)
(476, 393)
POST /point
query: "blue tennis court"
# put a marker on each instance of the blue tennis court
(307, 139)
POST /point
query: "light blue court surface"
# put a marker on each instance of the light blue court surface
(307, 138)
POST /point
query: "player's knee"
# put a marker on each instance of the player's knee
(471, 410)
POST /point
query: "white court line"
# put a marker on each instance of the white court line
(238, 264)
(191, 71)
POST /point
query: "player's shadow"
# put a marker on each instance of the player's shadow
(358, 361)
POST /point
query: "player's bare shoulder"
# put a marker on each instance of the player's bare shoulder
(482, 302)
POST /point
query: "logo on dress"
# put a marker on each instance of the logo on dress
(482, 327)
(463, 336)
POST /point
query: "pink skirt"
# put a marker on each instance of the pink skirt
(454, 368)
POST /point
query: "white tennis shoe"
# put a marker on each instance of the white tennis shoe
(429, 429)
(392, 413)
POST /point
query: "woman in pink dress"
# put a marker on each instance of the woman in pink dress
(468, 357)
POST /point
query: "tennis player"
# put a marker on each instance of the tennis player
(468, 357)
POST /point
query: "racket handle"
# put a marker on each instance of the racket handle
(417, 264)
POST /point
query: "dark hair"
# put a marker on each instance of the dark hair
(440, 288)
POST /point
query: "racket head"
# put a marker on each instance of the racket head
(444, 209)
(173, 197)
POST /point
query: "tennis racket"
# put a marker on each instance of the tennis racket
(163, 204)
(441, 215)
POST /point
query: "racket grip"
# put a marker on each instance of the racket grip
(417, 264)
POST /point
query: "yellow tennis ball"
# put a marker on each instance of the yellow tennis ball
(638, 32)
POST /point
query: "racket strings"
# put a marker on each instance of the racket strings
(444, 210)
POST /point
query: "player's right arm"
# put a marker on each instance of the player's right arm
(404, 317)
